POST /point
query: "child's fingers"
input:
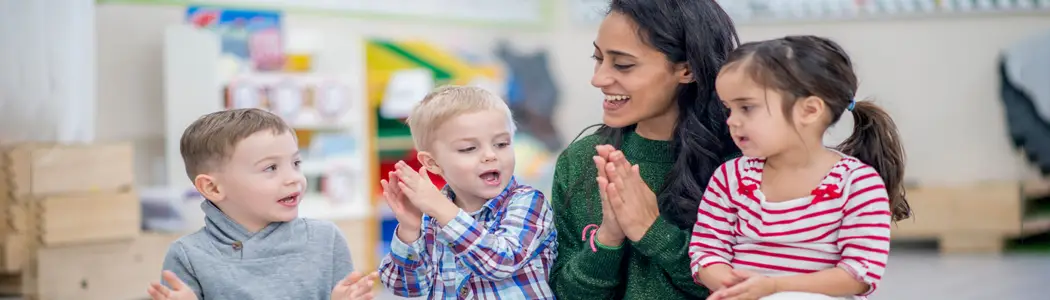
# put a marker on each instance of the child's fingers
(404, 189)
(173, 281)
(424, 174)
(362, 289)
(394, 190)
(372, 276)
(403, 168)
(385, 185)
(162, 291)
(407, 175)
(391, 201)
(734, 291)
(350, 279)
(153, 293)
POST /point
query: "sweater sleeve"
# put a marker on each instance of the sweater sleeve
(342, 262)
(713, 239)
(864, 235)
(580, 273)
(178, 262)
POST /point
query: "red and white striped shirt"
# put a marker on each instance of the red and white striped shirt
(844, 223)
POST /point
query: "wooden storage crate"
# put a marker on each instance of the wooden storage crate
(64, 194)
(49, 169)
(969, 218)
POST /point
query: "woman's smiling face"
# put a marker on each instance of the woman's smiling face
(638, 81)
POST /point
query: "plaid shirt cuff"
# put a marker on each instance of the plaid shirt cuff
(460, 233)
(406, 255)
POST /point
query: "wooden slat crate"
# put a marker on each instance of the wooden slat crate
(972, 218)
(64, 194)
(47, 169)
(85, 218)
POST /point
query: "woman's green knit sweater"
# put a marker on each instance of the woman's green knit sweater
(656, 267)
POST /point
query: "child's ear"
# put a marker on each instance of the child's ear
(810, 110)
(427, 159)
(209, 187)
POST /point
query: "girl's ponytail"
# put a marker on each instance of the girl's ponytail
(876, 142)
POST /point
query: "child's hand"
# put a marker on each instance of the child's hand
(752, 287)
(407, 214)
(419, 189)
(178, 290)
(355, 287)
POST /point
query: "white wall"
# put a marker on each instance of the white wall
(936, 76)
(47, 67)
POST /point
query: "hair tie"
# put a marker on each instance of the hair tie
(592, 229)
(852, 103)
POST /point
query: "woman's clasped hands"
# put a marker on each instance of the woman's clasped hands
(628, 204)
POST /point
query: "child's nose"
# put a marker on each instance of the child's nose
(731, 121)
(488, 156)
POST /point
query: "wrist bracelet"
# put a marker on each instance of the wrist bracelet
(603, 246)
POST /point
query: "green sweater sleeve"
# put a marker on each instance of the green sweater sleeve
(668, 246)
(578, 272)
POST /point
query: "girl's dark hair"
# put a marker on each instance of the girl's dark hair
(811, 66)
(700, 34)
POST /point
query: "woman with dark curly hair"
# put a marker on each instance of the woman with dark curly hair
(664, 131)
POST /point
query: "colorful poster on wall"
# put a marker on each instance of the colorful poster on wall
(478, 12)
(251, 35)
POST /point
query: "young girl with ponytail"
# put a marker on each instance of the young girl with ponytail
(793, 219)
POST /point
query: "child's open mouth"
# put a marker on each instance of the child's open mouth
(290, 201)
(490, 177)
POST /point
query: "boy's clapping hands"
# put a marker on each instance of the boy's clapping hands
(178, 290)
(355, 287)
(409, 217)
(421, 193)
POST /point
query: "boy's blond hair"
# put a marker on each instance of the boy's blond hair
(447, 102)
(209, 141)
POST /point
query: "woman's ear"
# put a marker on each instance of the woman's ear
(209, 188)
(682, 72)
(427, 159)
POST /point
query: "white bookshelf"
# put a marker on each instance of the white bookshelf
(195, 80)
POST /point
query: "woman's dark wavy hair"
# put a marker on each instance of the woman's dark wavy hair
(700, 34)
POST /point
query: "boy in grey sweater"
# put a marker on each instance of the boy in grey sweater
(253, 244)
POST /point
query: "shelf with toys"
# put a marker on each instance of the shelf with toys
(228, 59)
